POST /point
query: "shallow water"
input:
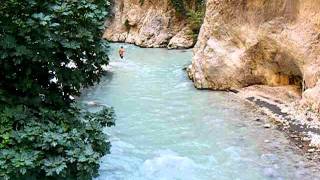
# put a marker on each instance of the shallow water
(168, 130)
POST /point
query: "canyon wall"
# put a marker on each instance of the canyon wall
(148, 23)
(266, 42)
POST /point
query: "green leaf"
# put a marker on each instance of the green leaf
(8, 41)
(43, 133)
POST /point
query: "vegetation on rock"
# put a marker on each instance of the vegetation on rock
(179, 6)
(194, 13)
(195, 19)
(141, 2)
(49, 51)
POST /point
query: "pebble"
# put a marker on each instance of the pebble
(311, 150)
(266, 141)
(309, 119)
(305, 139)
(267, 126)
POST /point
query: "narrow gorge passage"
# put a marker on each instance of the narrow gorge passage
(168, 130)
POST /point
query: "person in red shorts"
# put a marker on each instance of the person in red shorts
(121, 52)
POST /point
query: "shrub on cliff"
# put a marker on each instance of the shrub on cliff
(183, 6)
(49, 50)
(193, 11)
(195, 19)
(179, 6)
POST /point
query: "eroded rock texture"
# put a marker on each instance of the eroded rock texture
(270, 42)
(148, 23)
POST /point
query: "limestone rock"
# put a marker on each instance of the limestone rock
(183, 39)
(153, 23)
(243, 43)
(311, 98)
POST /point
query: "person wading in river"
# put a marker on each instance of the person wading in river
(121, 52)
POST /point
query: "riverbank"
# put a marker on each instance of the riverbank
(283, 110)
(301, 126)
(167, 129)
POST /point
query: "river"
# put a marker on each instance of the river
(168, 130)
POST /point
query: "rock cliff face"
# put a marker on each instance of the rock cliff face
(265, 42)
(148, 23)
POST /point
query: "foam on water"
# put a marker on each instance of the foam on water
(123, 64)
(169, 165)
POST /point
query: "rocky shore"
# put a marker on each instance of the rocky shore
(301, 132)
(301, 125)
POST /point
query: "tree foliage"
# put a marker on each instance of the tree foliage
(47, 41)
(52, 144)
(49, 51)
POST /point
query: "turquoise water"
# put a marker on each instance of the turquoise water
(168, 130)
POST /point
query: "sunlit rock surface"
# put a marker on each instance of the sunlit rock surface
(148, 23)
(243, 43)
